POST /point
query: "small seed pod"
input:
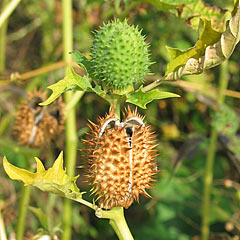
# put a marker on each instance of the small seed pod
(35, 125)
(121, 159)
(120, 57)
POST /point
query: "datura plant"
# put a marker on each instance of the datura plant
(120, 153)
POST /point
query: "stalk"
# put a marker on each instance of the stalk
(116, 104)
(117, 221)
(3, 235)
(208, 176)
(71, 136)
(74, 100)
(23, 206)
(8, 10)
(22, 212)
(3, 36)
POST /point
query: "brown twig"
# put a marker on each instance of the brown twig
(20, 77)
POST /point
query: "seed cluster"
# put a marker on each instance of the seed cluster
(37, 126)
(120, 57)
(121, 159)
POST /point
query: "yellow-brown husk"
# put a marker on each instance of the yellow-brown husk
(121, 159)
(36, 125)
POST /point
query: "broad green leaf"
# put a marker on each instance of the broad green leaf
(41, 216)
(53, 180)
(81, 60)
(210, 50)
(141, 99)
(71, 80)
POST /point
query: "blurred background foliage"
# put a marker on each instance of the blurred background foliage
(34, 40)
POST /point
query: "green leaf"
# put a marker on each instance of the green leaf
(179, 58)
(98, 90)
(83, 83)
(141, 99)
(196, 9)
(210, 50)
(41, 216)
(71, 81)
(81, 60)
(54, 180)
(160, 5)
(190, 11)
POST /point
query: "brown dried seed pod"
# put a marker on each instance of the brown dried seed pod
(121, 159)
(35, 125)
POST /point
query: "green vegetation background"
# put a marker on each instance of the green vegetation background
(182, 125)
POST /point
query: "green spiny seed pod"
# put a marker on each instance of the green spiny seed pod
(120, 57)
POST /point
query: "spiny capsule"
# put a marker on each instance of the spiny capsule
(119, 57)
(35, 125)
(121, 158)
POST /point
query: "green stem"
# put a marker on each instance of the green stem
(84, 202)
(8, 10)
(116, 103)
(208, 177)
(3, 235)
(152, 85)
(3, 36)
(74, 100)
(117, 221)
(71, 132)
(22, 212)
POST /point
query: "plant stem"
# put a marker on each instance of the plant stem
(116, 103)
(3, 235)
(208, 177)
(74, 100)
(152, 85)
(71, 132)
(22, 212)
(84, 202)
(3, 36)
(8, 10)
(117, 221)
(20, 77)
